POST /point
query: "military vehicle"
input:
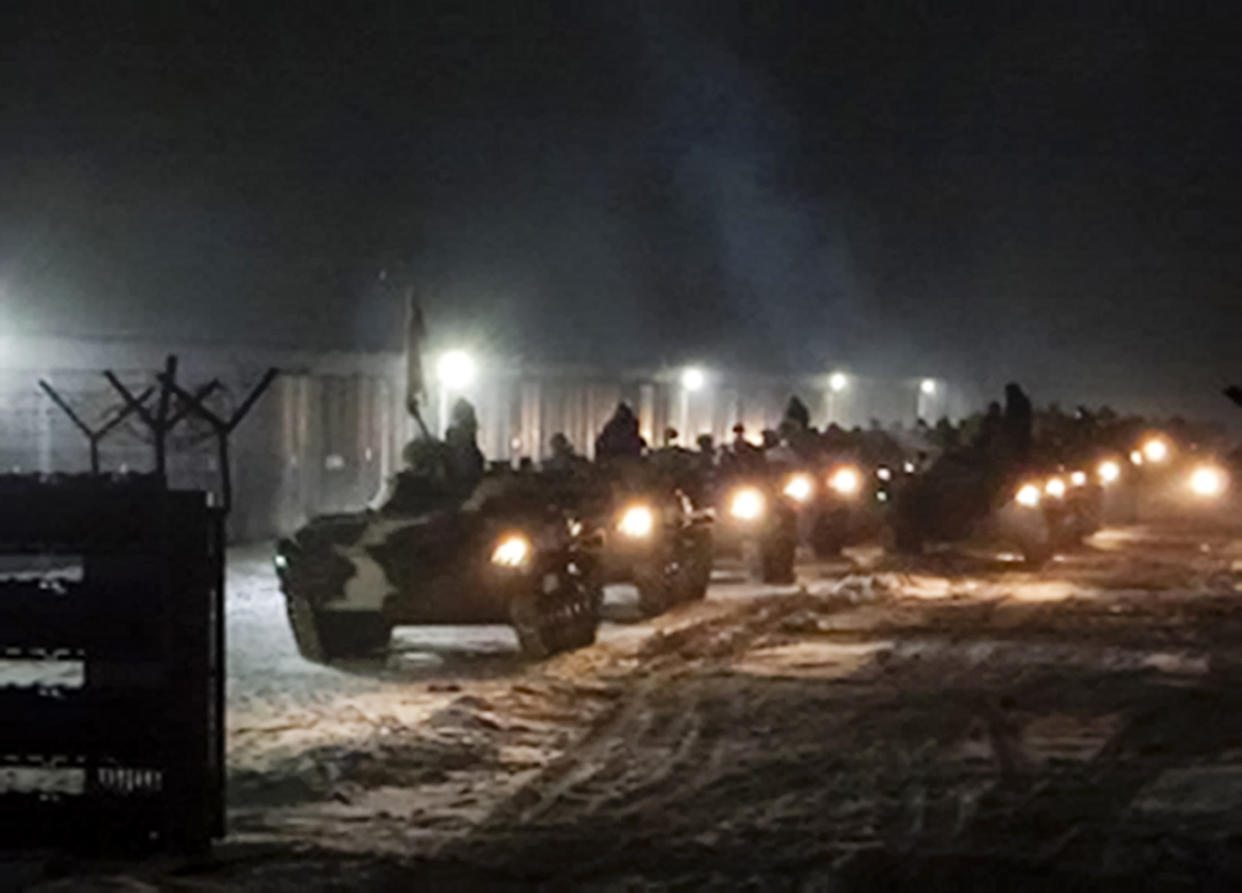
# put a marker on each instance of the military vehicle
(849, 505)
(651, 532)
(757, 520)
(507, 555)
(956, 500)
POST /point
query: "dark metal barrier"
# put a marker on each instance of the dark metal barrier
(111, 663)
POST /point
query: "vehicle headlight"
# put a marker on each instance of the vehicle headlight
(1028, 496)
(1109, 471)
(637, 522)
(1155, 450)
(845, 480)
(512, 551)
(281, 562)
(1136, 457)
(1055, 487)
(907, 467)
(1078, 479)
(747, 504)
(1207, 481)
(884, 473)
(799, 487)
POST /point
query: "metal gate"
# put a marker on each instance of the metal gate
(111, 663)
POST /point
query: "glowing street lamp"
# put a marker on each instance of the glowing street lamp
(837, 382)
(693, 379)
(455, 371)
(926, 398)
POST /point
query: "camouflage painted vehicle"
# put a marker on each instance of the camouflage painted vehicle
(505, 555)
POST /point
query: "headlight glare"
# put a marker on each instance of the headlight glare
(845, 480)
(799, 487)
(1028, 496)
(637, 522)
(512, 551)
(1055, 487)
(1109, 471)
(747, 504)
(1207, 481)
(1155, 450)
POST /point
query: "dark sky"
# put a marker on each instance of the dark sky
(1010, 192)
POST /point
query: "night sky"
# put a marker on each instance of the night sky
(1053, 196)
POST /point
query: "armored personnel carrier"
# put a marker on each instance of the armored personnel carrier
(757, 520)
(507, 554)
(657, 540)
(958, 500)
(650, 531)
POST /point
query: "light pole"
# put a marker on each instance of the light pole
(928, 388)
(692, 380)
(455, 371)
(837, 382)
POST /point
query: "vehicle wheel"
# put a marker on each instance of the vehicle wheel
(325, 636)
(1037, 550)
(527, 616)
(585, 597)
(777, 559)
(828, 535)
(1088, 521)
(550, 622)
(657, 588)
(906, 533)
(695, 572)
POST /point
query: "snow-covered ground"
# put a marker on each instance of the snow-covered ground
(881, 723)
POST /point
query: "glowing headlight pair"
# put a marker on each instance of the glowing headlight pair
(1030, 493)
(1154, 451)
(512, 551)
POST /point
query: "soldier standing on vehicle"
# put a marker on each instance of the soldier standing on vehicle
(465, 459)
(707, 451)
(564, 458)
(620, 437)
(743, 455)
(796, 431)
